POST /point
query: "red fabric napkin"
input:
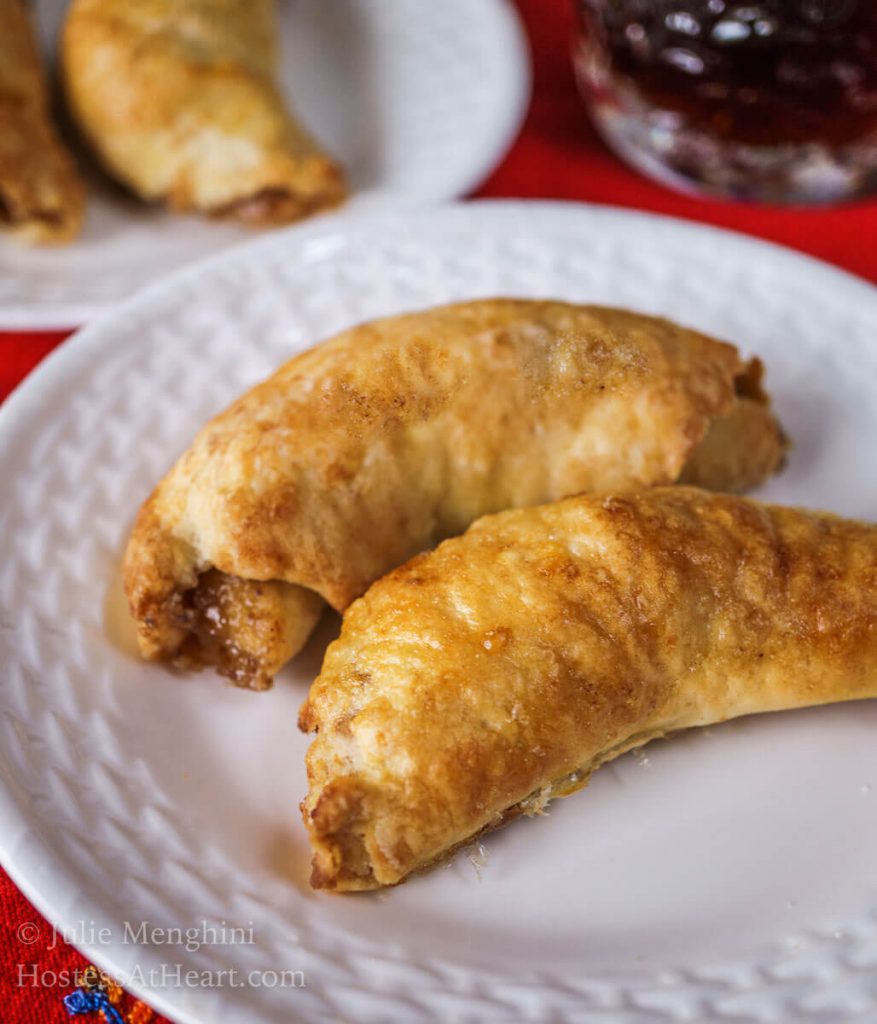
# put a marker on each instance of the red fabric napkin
(556, 156)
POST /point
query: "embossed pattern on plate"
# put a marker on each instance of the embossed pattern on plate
(727, 875)
(418, 101)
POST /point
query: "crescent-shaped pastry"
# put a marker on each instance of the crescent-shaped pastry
(377, 444)
(42, 198)
(179, 99)
(479, 681)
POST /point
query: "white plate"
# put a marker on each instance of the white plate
(419, 100)
(730, 877)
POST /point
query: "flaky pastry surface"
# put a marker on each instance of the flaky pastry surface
(482, 679)
(42, 198)
(181, 102)
(398, 433)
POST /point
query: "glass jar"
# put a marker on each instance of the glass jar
(773, 101)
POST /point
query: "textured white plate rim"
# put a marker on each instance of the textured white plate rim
(510, 103)
(354, 214)
(40, 873)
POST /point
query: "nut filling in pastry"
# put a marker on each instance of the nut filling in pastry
(481, 680)
(248, 629)
(390, 437)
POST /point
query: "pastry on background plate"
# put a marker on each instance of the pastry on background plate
(181, 102)
(477, 682)
(42, 198)
(377, 444)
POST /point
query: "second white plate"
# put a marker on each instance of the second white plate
(418, 100)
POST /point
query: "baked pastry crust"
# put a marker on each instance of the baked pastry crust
(179, 99)
(42, 198)
(398, 433)
(479, 681)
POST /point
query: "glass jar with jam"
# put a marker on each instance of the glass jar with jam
(773, 101)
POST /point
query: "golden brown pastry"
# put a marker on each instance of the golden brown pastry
(477, 682)
(377, 444)
(42, 198)
(179, 98)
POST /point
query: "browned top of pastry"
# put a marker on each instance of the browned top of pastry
(478, 681)
(375, 445)
(42, 198)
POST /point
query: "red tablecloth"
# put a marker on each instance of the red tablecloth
(557, 156)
